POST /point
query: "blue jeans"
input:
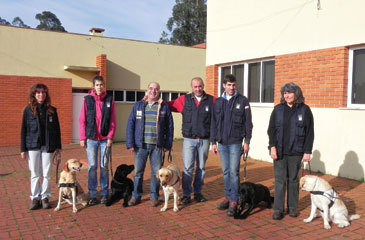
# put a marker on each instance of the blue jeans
(140, 160)
(230, 158)
(194, 150)
(92, 157)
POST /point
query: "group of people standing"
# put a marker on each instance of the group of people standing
(224, 123)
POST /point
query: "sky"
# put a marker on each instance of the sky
(129, 19)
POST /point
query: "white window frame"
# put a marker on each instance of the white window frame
(245, 79)
(349, 77)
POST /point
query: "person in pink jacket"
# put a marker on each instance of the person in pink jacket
(97, 126)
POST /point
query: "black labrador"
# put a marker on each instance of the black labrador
(121, 186)
(252, 194)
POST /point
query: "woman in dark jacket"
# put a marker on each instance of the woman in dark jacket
(291, 135)
(40, 139)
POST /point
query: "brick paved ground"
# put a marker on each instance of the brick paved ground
(196, 221)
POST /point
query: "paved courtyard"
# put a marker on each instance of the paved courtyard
(195, 221)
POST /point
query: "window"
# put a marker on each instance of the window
(356, 75)
(119, 96)
(255, 80)
(134, 96)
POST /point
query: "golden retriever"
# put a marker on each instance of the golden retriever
(325, 198)
(68, 186)
(170, 181)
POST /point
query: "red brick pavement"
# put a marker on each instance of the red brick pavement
(196, 221)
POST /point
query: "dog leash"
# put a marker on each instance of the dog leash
(107, 158)
(302, 167)
(169, 157)
(57, 161)
(244, 157)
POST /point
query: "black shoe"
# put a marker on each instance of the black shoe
(293, 213)
(198, 197)
(154, 202)
(45, 203)
(231, 209)
(134, 202)
(92, 202)
(185, 200)
(277, 216)
(34, 204)
(103, 199)
(223, 205)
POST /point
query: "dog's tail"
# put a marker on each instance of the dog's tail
(354, 217)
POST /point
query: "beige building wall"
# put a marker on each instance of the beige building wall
(338, 142)
(248, 29)
(243, 30)
(131, 65)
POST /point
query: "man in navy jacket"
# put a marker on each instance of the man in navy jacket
(150, 130)
(231, 123)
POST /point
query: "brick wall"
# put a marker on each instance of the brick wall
(211, 80)
(14, 98)
(321, 74)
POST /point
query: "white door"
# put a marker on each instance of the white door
(76, 108)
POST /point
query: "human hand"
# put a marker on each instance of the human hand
(246, 148)
(109, 142)
(273, 153)
(306, 157)
(82, 143)
(214, 149)
(131, 149)
(23, 155)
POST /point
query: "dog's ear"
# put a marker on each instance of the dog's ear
(158, 174)
(65, 167)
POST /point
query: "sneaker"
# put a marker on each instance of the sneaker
(45, 203)
(223, 205)
(134, 202)
(154, 202)
(34, 204)
(231, 209)
(198, 197)
(103, 199)
(277, 215)
(92, 202)
(185, 200)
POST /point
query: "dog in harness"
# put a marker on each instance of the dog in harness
(69, 189)
(170, 181)
(325, 198)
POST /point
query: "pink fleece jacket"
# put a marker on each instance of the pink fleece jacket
(98, 106)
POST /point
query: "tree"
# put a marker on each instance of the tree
(49, 21)
(18, 22)
(188, 23)
(4, 22)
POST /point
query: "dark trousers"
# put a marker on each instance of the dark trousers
(286, 178)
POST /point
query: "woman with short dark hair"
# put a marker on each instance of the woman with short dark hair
(291, 135)
(40, 139)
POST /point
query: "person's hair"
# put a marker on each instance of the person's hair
(197, 79)
(229, 78)
(292, 88)
(32, 101)
(98, 78)
(154, 83)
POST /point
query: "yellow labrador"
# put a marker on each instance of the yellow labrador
(325, 198)
(170, 181)
(69, 190)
